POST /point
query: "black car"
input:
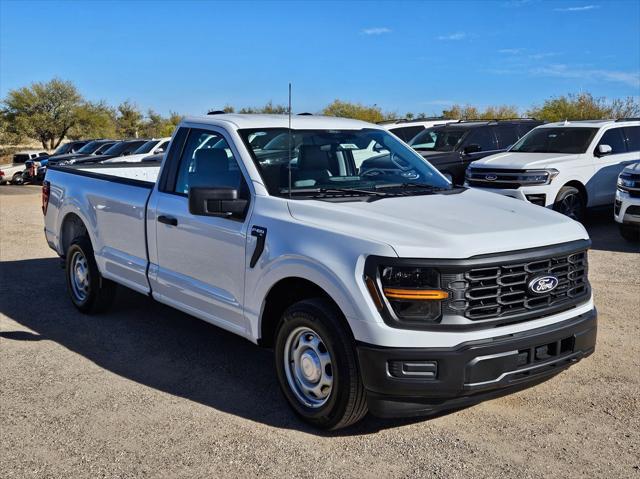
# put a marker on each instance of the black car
(94, 147)
(70, 147)
(451, 147)
(120, 148)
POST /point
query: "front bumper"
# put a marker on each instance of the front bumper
(472, 372)
(626, 209)
(541, 195)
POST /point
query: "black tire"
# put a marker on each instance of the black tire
(570, 202)
(17, 179)
(99, 292)
(630, 233)
(346, 402)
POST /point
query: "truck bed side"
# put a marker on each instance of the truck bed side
(111, 203)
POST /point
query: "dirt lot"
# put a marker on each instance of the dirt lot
(147, 391)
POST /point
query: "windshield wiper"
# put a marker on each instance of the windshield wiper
(331, 191)
(410, 185)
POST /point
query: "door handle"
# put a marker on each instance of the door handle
(167, 220)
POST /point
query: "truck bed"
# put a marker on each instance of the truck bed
(111, 200)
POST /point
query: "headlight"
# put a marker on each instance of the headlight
(408, 295)
(537, 177)
(625, 182)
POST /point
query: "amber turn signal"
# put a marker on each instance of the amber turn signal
(415, 294)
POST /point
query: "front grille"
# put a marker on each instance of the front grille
(499, 179)
(501, 292)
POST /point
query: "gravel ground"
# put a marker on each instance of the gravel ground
(148, 391)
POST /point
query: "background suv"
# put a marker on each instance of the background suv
(568, 166)
(451, 147)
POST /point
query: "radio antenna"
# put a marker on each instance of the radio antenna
(289, 141)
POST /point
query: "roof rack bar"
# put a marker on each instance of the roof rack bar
(410, 120)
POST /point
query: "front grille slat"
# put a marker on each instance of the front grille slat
(501, 292)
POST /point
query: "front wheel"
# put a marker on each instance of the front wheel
(89, 291)
(570, 202)
(317, 367)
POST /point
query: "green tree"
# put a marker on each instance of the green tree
(268, 108)
(94, 120)
(346, 109)
(43, 111)
(585, 106)
(470, 112)
(129, 120)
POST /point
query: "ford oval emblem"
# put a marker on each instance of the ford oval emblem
(543, 284)
(490, 177)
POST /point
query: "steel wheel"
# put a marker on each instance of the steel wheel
(79, 276)
(308, 367)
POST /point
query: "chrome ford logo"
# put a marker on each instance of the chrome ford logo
(543, 284)
(490, 177)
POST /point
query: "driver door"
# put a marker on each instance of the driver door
(201, 259)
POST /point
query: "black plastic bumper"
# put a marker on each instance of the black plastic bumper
(403, 382)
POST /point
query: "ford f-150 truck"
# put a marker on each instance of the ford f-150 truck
(387, 291)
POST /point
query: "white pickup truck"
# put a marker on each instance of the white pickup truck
(390, 292)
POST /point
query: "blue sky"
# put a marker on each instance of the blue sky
(404, 56)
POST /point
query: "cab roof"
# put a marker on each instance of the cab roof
(590, 123)
(298, 122)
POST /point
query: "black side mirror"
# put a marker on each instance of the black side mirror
(222, 202)
(472, 148)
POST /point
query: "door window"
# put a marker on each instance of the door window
(633, 138)
(482, 137)
(615, 140)
(507, 135)
(207, 162)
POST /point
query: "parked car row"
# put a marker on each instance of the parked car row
(31, 166)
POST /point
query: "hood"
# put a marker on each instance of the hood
(458, 225)
(633, 168)
(524, 160)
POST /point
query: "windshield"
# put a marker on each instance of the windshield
(555, 140)
(146, 147)
(438, 139)
(62, 149)
(89, 147)
(364, 160)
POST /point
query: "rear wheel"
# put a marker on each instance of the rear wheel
(317, 367)
(630, 233)
(571, 203)
(89, 291)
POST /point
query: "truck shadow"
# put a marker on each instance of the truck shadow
(604, 233)
(157, 346)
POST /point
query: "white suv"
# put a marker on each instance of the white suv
(627, 207)
(568, 166)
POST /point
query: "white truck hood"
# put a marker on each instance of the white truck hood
(456, 225)
(524, 160)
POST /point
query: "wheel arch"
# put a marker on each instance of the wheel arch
(580, 187)
(283, 294)
(71, 227)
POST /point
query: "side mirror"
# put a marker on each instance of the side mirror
(603, 150)
(222, 202)
(472, 148)
(158, 150)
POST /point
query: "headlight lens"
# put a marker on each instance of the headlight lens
(625, 181)
(412, 294)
